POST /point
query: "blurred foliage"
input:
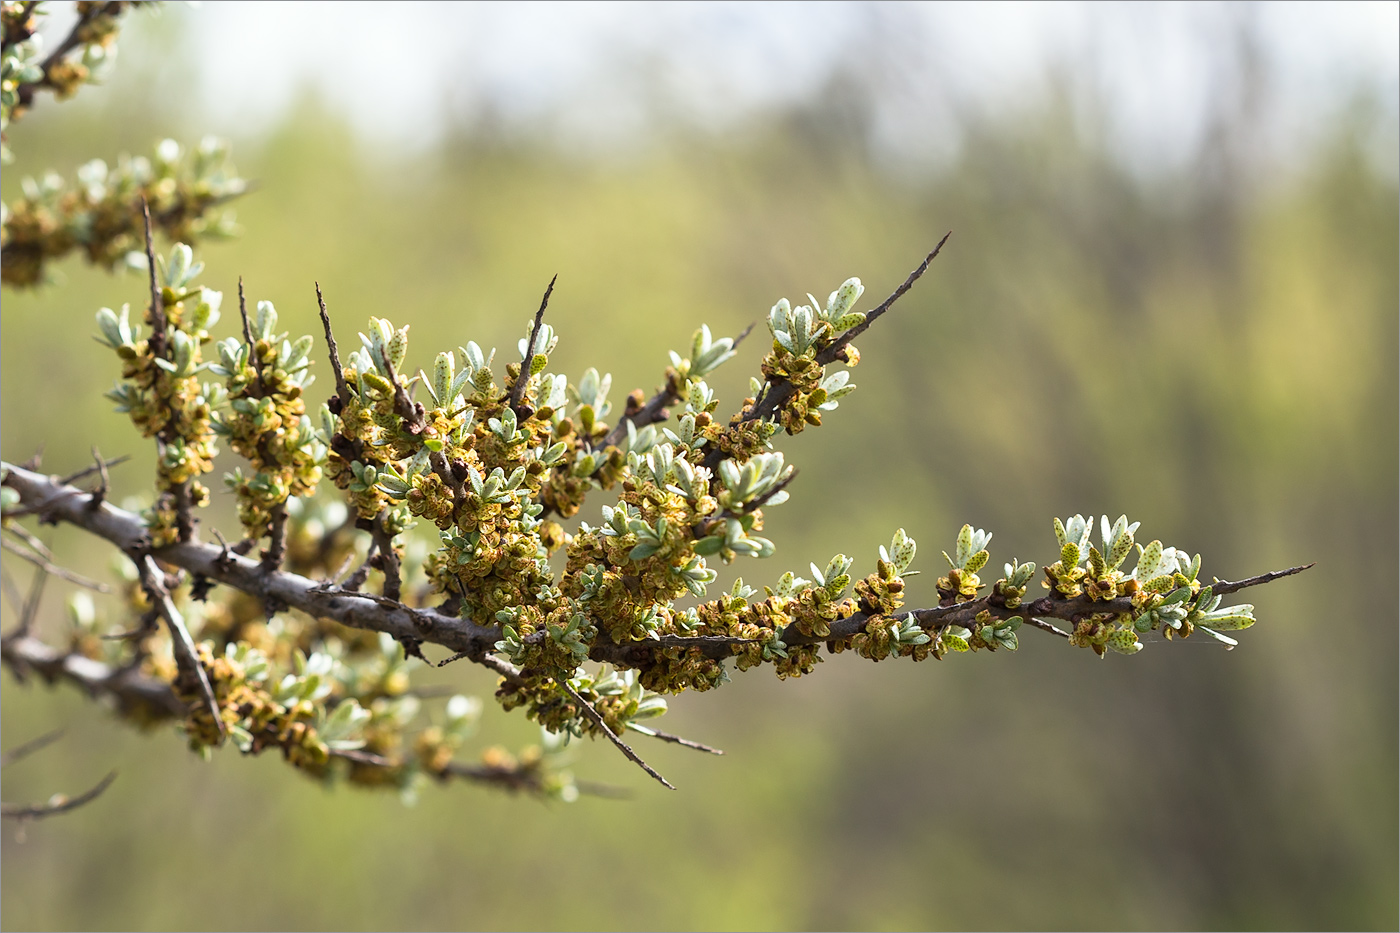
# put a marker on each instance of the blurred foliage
(1213, 354)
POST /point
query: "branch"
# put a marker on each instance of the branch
(127, 531)
(70, 42)
(522, 778)
(597, 718)
(182, 645)
(517, 391)
(1225, 587)
(58, 804)
(476, 642)
(388, 559)
(104, 484)
(668, 737)
(46, 566)
(833, 352)
(31, 604)
(157, 312)
(30, 747)
(776, 394)
(130, 688)
(100, 467)
(26, 29)
(342, 391)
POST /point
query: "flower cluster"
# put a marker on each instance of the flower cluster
(266, 422)
(84, 57)
(101, 212)
(161, 390)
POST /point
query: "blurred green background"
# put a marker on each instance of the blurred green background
(1210, 349)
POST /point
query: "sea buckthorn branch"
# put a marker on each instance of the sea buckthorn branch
(774, 395)
(150, 700)
(476, 465)
(59, 803)
(280, 656)
(265, 379)
(160, 389)
(529, 355)
(310, 726)
(193, 679)
(62, 72)
(958, 626)
(100, 212)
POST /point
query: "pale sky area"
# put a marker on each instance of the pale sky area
(598, 74)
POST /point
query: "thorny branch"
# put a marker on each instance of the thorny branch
(342, 391)
(70, 42)
(192, 672)
(775, 394)
(132, 689)
(517, 391)
(44, 562)
(31, 603)
(58, 804)
(477, 642)
(587, 709)
(675, 739)
(832, 353)
(23, 751)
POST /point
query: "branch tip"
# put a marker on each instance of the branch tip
(517, 391)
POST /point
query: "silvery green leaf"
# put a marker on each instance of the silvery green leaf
(471, 356)
(1229, 642)
(180, 268)
(553, 453)
(1149, 562)
(116, 332)
(778, 317)
(643, 550)
(964, 548)
(1231, 618)
(955, 637)
(443, 373)
(397, 347)
(709, 546)
(765, 548)
(1122, 544)
(265, 321)
(1177, 596)
(700, 397)
(843, 299)
(295, 355)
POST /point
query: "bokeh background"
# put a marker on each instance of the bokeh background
(1171, 291)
